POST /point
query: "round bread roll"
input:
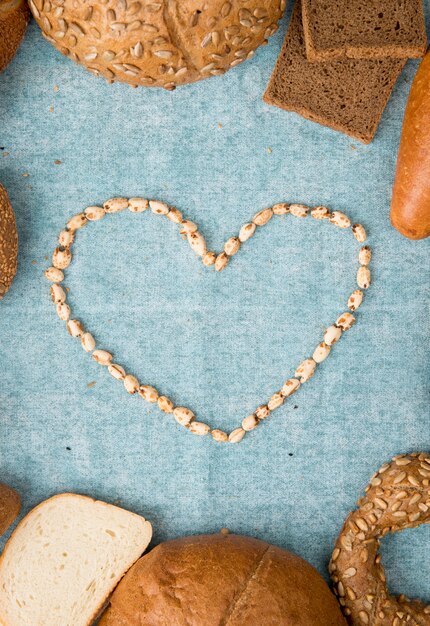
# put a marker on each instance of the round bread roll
(159, 43)
(209, 580)
(8, 243)
(10, 505)
(14, 16)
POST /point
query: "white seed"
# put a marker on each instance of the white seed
(262, 412)
(365, 255)
(250, 422)
(197, 243)
(88, 342)
(183, 415)
(94, 213)
(262, 217)
(363, 277)
(332, 335)
(355, 300)
(320, 213)
(159, 208)
(275, 401)
(131, 384)
(299, 210)
(290, 386)
(340, 220)
(63, 311)
(138, 205)
(345, 321)
(165, 404)
(66, 238)
(114, 205)
(231, 246)
(102, 357)
(306, 370)
(359, 232)
(116, 371)
(77, 221)
(219, 435)
(221, 261)
(246, 232)
(321, 352)
(61, 258)
(236, 435)
(209, 258)
(58, 294)
(281, 209)
(148, 393)
(75, 328)
(174, 216)
(187, 227)
(199, 428)
(54, 275)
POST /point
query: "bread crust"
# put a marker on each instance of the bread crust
(14, 16)
(159, 44)
(34, 512)
(10, 505)
(410, 204)
(397, 497)
(221, 579)
(8, 243)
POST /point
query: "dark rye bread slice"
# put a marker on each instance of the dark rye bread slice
(364, 29)
(348, 95)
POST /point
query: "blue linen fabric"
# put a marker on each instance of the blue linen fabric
(220, 344)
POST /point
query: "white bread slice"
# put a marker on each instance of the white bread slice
(64, 560)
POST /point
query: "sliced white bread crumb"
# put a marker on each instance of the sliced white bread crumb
(64, 560)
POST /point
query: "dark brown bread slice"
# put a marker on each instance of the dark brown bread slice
(364, 29)
(348, 95)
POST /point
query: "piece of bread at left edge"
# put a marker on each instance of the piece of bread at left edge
(10, 504)
(65, 558)
(14, 16)
(8, 242)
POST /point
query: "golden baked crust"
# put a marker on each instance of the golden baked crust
(397, 497)
(222, 579)
(160, 43)
(14, 15)
(10, 505)
(8, 243)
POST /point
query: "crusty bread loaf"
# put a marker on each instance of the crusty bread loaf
(367, 29)
(348, 95)
(14, 16)
(10, 504)
(8, 243)
(65, 558)
(161, 44)
(222, 579)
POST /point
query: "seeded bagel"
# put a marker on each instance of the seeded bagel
(161, 43)
(8, 243)
(10, 505)
(14, 16)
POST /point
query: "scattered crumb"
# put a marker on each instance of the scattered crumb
(68, 448)
(34, 262)
(290, 454)
(51, 109)
(224, 531)
(295, 406)
(219, 125)
(6, 154)
(57, 162)
(269, 150)
(46, 258)
(353, 147)
(56, 88)
(25, 174)
(67, 288)
(91, 384)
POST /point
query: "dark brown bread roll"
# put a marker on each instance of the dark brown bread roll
(214, 580)
(8, 243)
(14, 16)
(10, 505)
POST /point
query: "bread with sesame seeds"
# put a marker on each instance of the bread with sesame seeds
(8, 243)
(14, 16)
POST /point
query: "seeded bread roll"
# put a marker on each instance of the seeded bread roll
(10, 505)
(213, 580)
(364, 29)
(348, 95)
(8, 243)
(161, 44)
(14, 16)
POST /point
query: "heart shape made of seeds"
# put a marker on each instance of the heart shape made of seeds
(62, 258)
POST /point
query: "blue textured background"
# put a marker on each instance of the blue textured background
(218, 343)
